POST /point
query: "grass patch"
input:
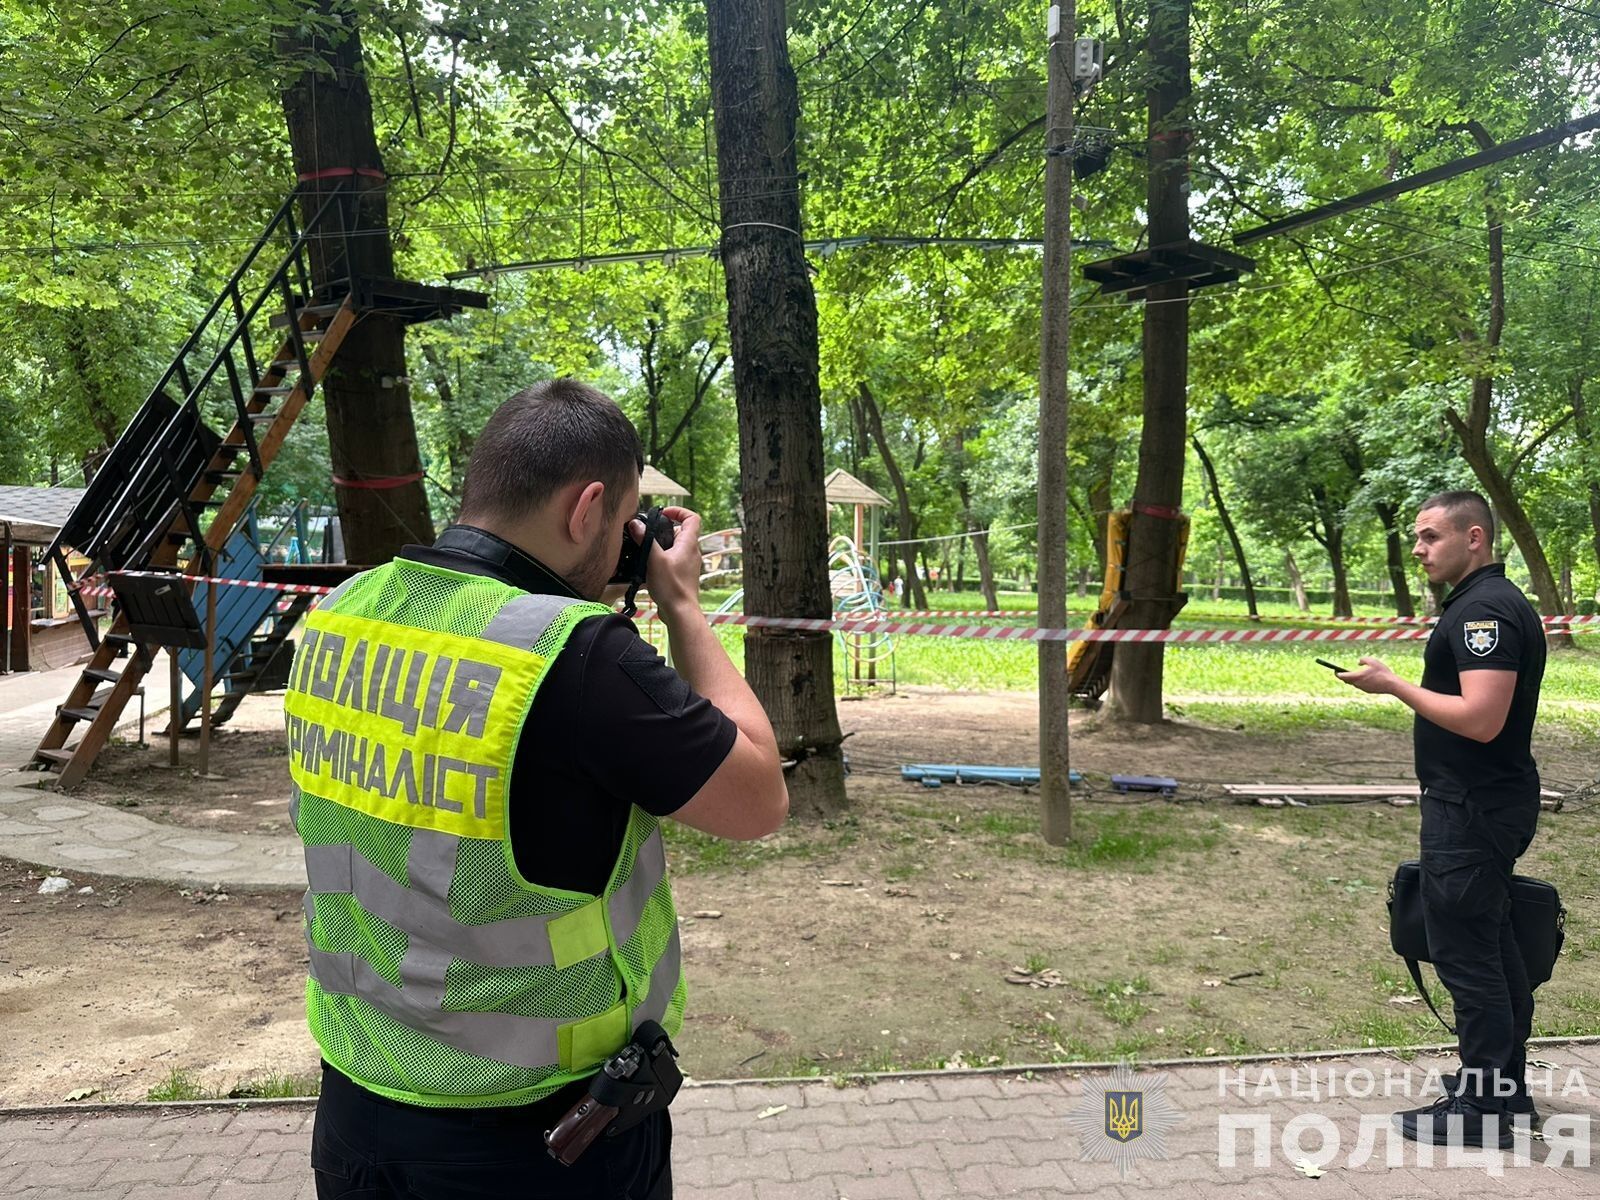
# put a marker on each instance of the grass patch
(178, 1085)
(276, 1087)
(694, 852)
(1119, 1001)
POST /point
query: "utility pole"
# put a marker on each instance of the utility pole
(1055, 796)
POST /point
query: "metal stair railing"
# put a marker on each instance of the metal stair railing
(292, 264)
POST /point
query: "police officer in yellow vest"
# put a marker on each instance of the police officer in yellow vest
(481, 752)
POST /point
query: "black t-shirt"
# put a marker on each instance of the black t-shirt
(1487, 625)
(611, 726)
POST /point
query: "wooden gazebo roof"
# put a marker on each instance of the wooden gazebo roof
(841, 487)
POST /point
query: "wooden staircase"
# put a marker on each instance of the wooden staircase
(171, 488)
(96, 702)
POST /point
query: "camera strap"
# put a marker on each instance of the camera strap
(516, 566)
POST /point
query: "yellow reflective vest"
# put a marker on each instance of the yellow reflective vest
(439, 975)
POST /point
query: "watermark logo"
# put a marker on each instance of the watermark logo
(1123, 1120)
(1124, 1117)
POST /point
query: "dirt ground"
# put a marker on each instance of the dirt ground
(884, 938)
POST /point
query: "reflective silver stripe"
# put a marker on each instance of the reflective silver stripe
(513, 942)
(523, 619)
(663, 982)
(337, 594)
(626, 907)
(531, 1042)
(430, 865)
(294, 806)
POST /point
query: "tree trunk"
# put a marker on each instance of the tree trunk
(1389, 514)
(371, 434)
(772, 328)
(1331, 539)
(1588, 443)
(1473, 429)
(1435, 599)
(1227, 524)
(1100, 511)
(1297, 582)
(980, 546)
(908, 521)
(1341, 575)
(1508, 506)
(1136, 672)
(459, 437)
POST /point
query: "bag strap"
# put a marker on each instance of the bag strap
(1422, 990)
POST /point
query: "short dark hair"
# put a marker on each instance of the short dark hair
(545, 437)
(1465, 509)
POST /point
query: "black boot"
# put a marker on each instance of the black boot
(1452, 1121)
(1519, 1103)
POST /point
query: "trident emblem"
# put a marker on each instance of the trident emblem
(1123, 1119)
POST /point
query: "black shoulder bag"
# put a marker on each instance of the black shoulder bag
(1537, 917)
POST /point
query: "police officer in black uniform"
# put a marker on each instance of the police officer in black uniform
(1480, 804)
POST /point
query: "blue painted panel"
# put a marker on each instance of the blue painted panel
(240, 611)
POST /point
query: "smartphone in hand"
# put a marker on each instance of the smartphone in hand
(1322, 662)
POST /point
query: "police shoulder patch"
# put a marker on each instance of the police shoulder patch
(1481, 636)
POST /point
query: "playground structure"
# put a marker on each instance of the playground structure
(172, 488)
(867, 657)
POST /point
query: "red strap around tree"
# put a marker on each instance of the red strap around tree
(379, 484)
(1159, 510)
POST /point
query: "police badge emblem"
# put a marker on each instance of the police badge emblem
(1482, 636)
(1124, 1118)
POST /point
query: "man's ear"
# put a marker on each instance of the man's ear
(587, 513)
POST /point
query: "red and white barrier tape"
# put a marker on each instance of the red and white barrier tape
(1026, 633)
(959, 612)
(1001, 633)
(95, 587)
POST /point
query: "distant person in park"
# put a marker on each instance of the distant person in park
(1475, 710)
(481, 752)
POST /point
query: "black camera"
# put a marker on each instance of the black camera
(635, 558)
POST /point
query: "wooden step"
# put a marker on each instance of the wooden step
(264, 416)
(102, 674)
(284, 390)
(281, 320)
(56, 756)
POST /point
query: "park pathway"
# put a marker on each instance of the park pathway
(955, 1134)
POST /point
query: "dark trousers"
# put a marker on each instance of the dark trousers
(1468, 854)
(364, 1147)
